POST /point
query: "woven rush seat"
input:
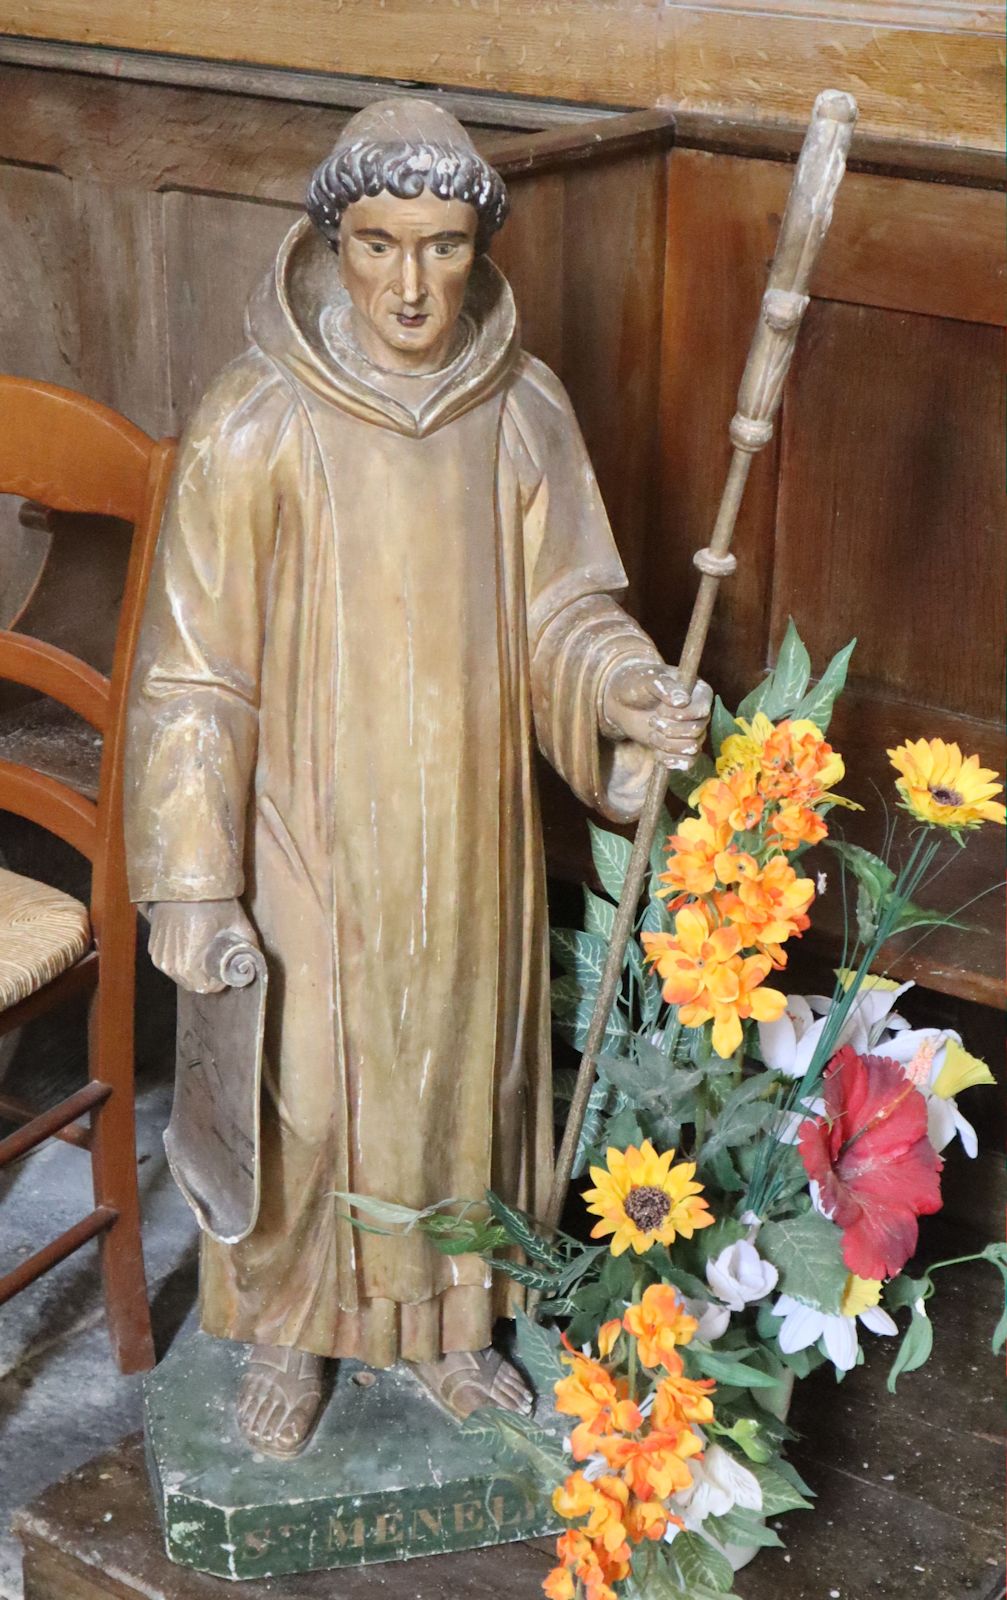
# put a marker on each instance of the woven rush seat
(42, 933)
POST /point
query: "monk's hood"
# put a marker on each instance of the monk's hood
(299, 314)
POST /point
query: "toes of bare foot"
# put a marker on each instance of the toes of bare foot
(280, 1399)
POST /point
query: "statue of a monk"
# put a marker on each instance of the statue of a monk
(385, 571)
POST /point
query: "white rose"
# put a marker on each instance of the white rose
(739, 1275)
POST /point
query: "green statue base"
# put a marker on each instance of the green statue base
(387, 1475)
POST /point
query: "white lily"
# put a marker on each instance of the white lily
(789, 1044)
(935, 1060)
(719, 1482)
(805, 1325)
(739, 1275)
(712, 1318)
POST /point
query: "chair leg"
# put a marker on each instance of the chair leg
(113, 1151)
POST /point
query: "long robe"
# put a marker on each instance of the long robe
(371, 594)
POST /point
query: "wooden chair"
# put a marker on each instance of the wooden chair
(68, 453)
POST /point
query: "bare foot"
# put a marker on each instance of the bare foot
(280, 1399)
(467, 1379)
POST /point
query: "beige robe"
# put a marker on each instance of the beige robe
(371, 594)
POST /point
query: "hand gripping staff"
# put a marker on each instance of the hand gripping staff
(805, 223)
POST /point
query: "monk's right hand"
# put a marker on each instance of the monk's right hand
(182, 933)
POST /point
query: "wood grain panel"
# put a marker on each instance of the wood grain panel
(529, 251)
(81, 303)
(890, 520)
(601, 50)
(719, 240)
(931, 72)
(149, 137)
(40, 332)
(925, 247)
(215, 251)
(928, 85)
(612, 290)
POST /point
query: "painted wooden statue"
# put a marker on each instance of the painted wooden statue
(384, 573)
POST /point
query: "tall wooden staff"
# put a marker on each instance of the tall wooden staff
(805, 224)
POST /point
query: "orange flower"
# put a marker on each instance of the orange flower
(603, 1502)
(647, 1519)
(799, 766)
(680, 1401)
(559, 1584)
(659, 1324)
(769, 905)
(696, 851)
(608, 1336)
(601, 1401)
(794, 825)
(655, 1466)
(706, 976)
(587, 1563)
(732, 801)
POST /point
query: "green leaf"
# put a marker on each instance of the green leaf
(599, 915)
(722, 725)
(656, 918)
(580, 953)
(807, 1252)
(594, 1117)
(905, 1291)
(750, 1437)
(387, 1213)
(521, 1230)
(610, 853)
(744, 1114)
(739, 1374)
(529, 1277)
(778, 1494)
(1000, 1334)
(538, 1352)
(522, 1439)
(460, 1236)
(742, 1527)
(875, 881)
(696, 1564)
(914, 1351)
(913, 916)
(818, 703)
(778, 694)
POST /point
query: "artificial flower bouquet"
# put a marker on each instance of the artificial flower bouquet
(758, 1160)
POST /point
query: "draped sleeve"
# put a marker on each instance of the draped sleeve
(194, 695)
(577, 633)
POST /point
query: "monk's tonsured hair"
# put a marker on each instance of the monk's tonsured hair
(405, 169)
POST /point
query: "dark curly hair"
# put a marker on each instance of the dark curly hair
(379, 151)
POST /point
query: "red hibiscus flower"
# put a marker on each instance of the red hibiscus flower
(873, 1161)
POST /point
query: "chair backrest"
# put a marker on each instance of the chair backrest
(65, 451)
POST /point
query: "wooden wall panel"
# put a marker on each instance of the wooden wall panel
(931, 72)
(215, 253)
(719, 240)
(81, 303)
(529, 251)
(612, 291)
(890, 521)
(40, 332)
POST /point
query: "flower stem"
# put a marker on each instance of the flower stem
(637, 1296)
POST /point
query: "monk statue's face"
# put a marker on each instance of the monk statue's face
(405, 265)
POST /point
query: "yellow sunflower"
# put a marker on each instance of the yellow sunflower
(941, 787)
(643, 1200)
